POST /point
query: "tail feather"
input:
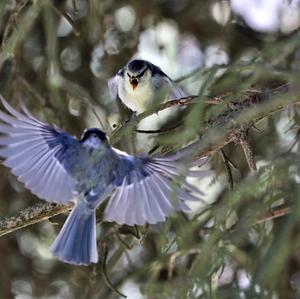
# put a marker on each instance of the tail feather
(76, 242)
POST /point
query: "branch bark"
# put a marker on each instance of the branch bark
(31, 215)
(219, 132)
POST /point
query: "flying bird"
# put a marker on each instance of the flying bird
(141, 84)
(57, 167)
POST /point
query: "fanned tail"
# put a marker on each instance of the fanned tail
(76, 242)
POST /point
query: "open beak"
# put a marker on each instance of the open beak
(134, 83)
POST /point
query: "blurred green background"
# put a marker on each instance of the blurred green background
(56, 57)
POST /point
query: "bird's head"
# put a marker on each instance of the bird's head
(93, 138)
(137, 72)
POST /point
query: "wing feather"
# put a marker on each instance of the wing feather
(35, 152)
(113, 87)
(149, 189)
(174, 90)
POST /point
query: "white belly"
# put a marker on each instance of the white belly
(138, 99)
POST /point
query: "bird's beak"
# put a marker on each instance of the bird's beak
(134, 83)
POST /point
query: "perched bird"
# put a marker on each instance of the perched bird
(141, 84)
(59, 168)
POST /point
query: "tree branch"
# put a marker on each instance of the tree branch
(219, 132)
(31, 215)
(247, 148)
(274, 213)
(10, 44)
(225, 128)
(228, 168)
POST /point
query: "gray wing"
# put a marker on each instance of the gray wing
(36, 152)
(174, 91)
(113, 87)
(114, 82)
(149, 189)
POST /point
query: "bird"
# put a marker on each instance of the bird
(141, 84)
(59, 168)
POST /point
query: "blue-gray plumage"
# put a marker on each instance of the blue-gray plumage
(59, 168)
(141, 84)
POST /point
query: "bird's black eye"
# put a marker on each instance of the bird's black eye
(128, 75)
(142, 73)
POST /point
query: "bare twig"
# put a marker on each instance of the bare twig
(275, 213)
(243, 140)
(12, 21)
(127, 246)
(228, 168)
(104, 271)
(65, 16)
(174, 256)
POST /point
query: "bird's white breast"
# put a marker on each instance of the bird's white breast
(138, 99)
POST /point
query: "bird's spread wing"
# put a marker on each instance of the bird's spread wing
(113, 83)
(148, 190)
(35, 152)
